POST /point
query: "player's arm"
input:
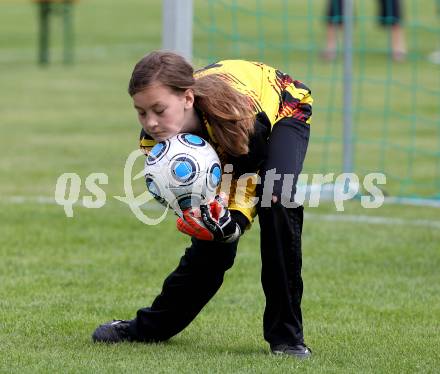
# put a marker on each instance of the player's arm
(213, 221)
(243, 190)
(242, 198)
(227, 223)
(225, 218)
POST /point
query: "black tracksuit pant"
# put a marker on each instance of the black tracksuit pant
(201, 270)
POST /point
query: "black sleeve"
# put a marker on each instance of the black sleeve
(240, 219)
(252, 162)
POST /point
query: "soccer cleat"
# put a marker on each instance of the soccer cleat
(298, 350)
(115, 332)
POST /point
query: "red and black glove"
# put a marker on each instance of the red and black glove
(192, 225)
(212, 221)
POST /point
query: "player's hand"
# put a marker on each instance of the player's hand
(217, 218)
(212, 221)
(192, 225)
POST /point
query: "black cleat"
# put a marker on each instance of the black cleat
(298, 350)
(115, 332)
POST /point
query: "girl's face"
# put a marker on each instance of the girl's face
(164, 112)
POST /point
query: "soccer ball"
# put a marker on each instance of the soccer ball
(182, 172)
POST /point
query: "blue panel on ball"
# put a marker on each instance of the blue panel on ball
(194, 139)
(185, 203)
(156, 150)
(183, 170)
(151, 186)
(216, 175)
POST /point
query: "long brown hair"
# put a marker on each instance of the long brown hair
(229, 112)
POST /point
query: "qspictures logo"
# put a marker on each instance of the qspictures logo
(311, 190)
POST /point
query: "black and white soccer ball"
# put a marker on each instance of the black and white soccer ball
(182, 172)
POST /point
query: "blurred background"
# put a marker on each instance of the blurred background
(54, 113)
(371, 275)
(394, 79)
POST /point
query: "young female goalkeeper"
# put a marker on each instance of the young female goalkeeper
(257, 118)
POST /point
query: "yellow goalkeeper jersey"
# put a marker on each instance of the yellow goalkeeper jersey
(274, 95)
(271, 91)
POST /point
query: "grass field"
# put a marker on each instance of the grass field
(372, 285)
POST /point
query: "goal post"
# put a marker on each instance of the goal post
(177, 22)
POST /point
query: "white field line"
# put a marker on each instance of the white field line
(375, 220)
(340, 217)
(413, 201)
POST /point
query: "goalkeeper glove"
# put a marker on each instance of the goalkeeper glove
(212, 221)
